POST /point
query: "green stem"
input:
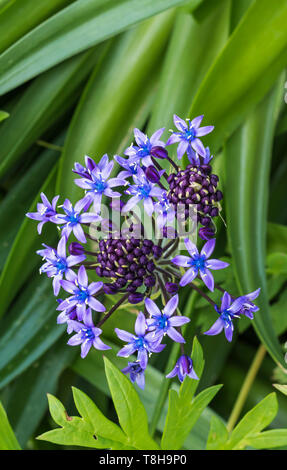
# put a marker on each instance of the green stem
(247, 384)
(49, 146)
(162, 395)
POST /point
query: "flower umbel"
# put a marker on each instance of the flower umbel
(104, 260)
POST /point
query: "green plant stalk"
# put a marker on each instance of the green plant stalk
(247, 384)
(166, 382)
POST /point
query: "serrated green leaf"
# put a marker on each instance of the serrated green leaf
(247, 223)
(269, 439)
(182, 416)
(131, 413)
(183, 409)
(253, 422)
(218, 434)
(8, 440)
(101, 425)
(94, 361)
(74, 29)
(57, 410)
(257, 47)
(74, 430)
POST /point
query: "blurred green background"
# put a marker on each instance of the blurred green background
(76, 76)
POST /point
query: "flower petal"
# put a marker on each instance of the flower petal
(188, 276)
(171, 306)
(216, 328)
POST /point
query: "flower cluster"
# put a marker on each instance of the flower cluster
(97, 258)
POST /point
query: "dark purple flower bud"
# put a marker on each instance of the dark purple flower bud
(159, 152)
(152, 174)
(149, 281)
(109, 289)
(76, 249)
(183, 368)
(171, 287)
(135, 298)
(206, 233)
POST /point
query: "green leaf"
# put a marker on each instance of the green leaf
(154, 378)
(108, 106)
(22, 257)
(81, 25)
(190, 68)
(20, 197)
(245, 70)
(218, 434)
(253, 422)
(17, 17)
(131, 413)
(277, 263)
(279, 313)
(269, 439)
(26, 410)
(281, 388)
(93, 429)
(74, 430)
(184, 410)
(3, 115)
(246, 181)
(276, 237)
(45, 100)
(29, 329)
(8, 440)
(100, 424)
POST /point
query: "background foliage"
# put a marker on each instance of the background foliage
(76, 76)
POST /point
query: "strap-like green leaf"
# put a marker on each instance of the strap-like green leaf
(108, 108)
(74, 29)
(8, 440)
(46, 99)
(17, 17)
(245, 70)
(248, 156)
